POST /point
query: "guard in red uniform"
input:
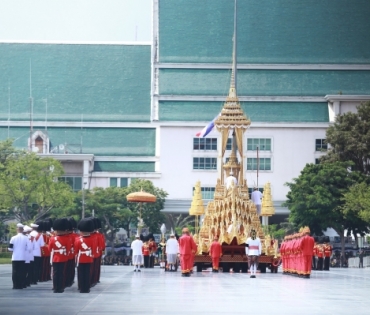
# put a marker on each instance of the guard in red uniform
(215, 252)
(146, 253)
(328, 249)
(45, 253)
(307, 246)
(320, 254)
(84, 249)
(152, 249)
(187, 247)
(101, 248)
(59, 247)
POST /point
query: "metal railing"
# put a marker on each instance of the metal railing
(355, 262)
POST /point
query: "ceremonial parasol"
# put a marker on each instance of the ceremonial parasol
(140, 197)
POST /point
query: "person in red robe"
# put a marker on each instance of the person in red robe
(187, 247)
(215, 252)
(306, 247)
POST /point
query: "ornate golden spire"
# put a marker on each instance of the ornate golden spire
(267, 204)
(197, 206)
(232, 115)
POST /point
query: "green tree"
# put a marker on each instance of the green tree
(349, 139)
(315, 198)
(29, 188)
(178, 221)
(111, 206)
(357, 200)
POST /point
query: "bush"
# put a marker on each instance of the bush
(6, 255)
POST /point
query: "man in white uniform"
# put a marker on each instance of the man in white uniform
(29, 255)
(18, 245)
(38, 243)
(172, 249)
(253, 250)
(257, 199)
(137, 253)
(231, 179)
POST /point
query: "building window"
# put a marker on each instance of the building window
(264, 164)
(321, 145)
(262, 144)
(205, 144)
(113, 182)
(250, 190)
(229, 144)
(204, 163)
(207, 192)
(124, 182)
(74, 182)
(317, 161)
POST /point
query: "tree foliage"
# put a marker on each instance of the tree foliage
(357, 200)
(349, 139)
(111, 206)
(315, 198)
(29, 188)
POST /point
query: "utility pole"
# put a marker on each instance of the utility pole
(83, 200)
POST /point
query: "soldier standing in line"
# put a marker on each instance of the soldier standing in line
(18, 245)
(59, 247)
(314, 254)
(152, 250)
(320, 254)
(146, 253)
(328, 249)
(215, 252)
(83, 247)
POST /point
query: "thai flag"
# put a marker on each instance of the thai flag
(207, 129)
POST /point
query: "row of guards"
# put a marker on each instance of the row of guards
(58, 251)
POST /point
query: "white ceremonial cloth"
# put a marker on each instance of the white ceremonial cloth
(31, 248)
(254, 248)
(137, 247)
(38, 243)
(172, 246)
(229, 180)
(19, 249)
(256, 197)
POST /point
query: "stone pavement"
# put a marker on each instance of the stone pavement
(153, 291)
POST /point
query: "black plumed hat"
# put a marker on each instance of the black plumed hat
(142, 237)
(326, 239)
(58, 225)
(40, 226)
(86, 225)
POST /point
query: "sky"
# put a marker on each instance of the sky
(76, 20)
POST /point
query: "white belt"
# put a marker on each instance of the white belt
(86, 252)
(60, 251)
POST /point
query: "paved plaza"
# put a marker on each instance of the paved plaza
(153, 291)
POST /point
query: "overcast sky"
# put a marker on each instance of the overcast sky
(75, 20)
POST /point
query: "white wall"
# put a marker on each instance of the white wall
(292, 148)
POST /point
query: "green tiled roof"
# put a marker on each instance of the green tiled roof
(98, 141)
(264, 82)
(269, 31)
(124, 166)
(256, 111)
(98, 82)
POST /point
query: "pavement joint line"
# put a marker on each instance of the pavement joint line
(99, 294)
